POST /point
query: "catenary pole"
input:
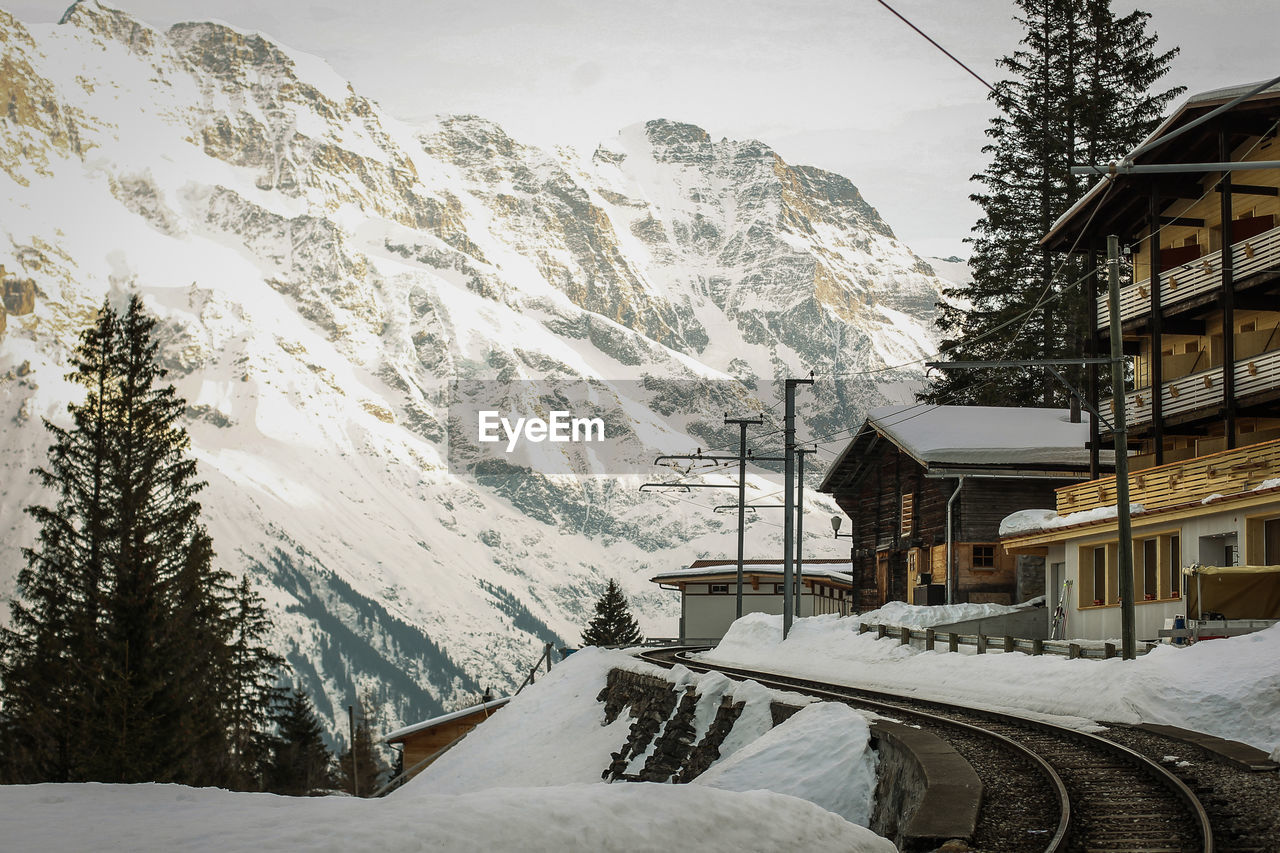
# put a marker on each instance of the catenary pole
(1124, 561)
(789, 491)
(800, 454)
(742, 423)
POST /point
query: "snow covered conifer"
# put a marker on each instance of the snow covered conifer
(613, 624)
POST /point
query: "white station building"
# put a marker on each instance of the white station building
(709, 592)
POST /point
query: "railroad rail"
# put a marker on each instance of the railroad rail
(1048, 788)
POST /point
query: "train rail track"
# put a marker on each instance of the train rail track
(1046, 787)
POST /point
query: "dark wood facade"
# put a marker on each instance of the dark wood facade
(1202, 314)
(897, 476)
(895, 542)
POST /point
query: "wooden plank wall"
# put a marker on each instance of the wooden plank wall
(875, 508)
(1222, 473)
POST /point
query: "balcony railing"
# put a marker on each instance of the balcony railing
(1202, 275)
(1225, 473)
(1204, 389)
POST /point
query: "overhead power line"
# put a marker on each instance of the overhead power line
(949, 54)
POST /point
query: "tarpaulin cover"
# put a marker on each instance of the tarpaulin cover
(1237, 592)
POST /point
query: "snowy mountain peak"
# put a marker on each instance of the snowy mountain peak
(324, 275)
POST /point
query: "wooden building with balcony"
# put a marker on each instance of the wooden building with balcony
(926, 488)
(1201, 320)
(1202, 315)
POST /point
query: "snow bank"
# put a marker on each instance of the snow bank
(622, 818)
(917, 616)
(1029, 520)
(553, 733)
(821, 754)
(1229, 688)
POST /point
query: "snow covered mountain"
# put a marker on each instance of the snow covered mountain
(325, 274)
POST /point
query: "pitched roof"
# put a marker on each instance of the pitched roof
(831, 569)
(985, 435)
(1200, 145)
(486, 707)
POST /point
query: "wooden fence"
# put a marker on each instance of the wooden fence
(934, 640)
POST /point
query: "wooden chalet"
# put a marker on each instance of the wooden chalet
(927, 486)
(424, 742)
(1203, 324)
(1202, 321)
(709, 592)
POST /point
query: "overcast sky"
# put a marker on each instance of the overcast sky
(839, 84)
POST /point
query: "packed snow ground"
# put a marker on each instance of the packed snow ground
(1229, 688)
(623, 818)
(528, 780)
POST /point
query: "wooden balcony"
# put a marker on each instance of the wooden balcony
(1198, 277)
(1225, 473)
(1202, 390)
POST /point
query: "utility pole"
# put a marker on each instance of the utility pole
(1125, 548)
(351, 726)
(789, 490)
(800, 454)
(742, 423)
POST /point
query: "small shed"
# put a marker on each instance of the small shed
(709, 592)
(424, 742)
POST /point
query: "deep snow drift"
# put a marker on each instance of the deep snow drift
(1229, 688)
(622, 818)
(528, 780)
(554, 734)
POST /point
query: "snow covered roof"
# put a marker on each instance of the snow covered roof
(836, 570)
(401, 733)
(984, 435)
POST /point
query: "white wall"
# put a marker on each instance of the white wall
(1103, 623)
(708, 617)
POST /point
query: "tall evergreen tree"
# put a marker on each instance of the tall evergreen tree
(120, 665)
(254, 698)
(367, 773)
(1079, 91)
(51, 657)
(613, 624)
(301, 764)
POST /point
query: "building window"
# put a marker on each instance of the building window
(984, 556)
(719, 589)
(1271, 542)
(777, 589)
(1099, 590)
(1150, 567)
(1175, 566)
(908, 514)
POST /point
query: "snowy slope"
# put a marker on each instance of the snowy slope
(323, 273)
(1226, 687)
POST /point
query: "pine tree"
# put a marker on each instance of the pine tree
(301, 764)
(254, 697)
(1078, 92)
(50, 658)
(613, 624)
(370, 771)
(120, 664)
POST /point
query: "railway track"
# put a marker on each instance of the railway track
(1046, 788)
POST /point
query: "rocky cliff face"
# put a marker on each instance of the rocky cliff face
(324, 274)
